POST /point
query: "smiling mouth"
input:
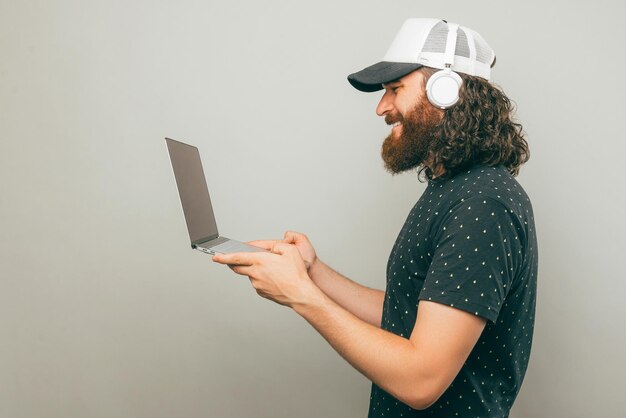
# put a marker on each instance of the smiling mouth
(389, 120)
(395, 126)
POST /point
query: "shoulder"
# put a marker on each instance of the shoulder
(481, 195)
(483, 183)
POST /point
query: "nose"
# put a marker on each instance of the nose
(386, 104)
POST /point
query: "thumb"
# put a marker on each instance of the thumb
(290, 251)
(280, 247)
(292, 237)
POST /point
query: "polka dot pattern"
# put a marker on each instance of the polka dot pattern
(469, 243)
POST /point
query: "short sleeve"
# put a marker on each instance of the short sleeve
(477, 250)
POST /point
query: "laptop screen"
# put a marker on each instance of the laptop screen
(193, 191)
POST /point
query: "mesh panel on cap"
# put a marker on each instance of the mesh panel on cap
(462, 48)
(483, 52)
(438, 36)
(436, 40)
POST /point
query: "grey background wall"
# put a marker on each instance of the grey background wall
(104, 309)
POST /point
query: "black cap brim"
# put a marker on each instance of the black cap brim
(372, 78)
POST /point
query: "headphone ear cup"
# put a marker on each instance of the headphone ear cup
(443, 88)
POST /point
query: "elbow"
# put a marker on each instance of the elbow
(422, 396)
(421, 401)
(420, 388)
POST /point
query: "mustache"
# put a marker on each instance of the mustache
(390, 120)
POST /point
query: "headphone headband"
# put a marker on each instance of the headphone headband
(448, 57)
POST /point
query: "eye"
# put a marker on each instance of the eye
(392, 87)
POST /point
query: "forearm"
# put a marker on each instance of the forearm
(390, 361)
(364, 302)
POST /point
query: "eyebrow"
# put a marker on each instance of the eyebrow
(392, 82)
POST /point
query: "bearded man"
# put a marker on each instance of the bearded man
(451, 334)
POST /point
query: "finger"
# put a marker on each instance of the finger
(238, 259)
(242, 270)
(265, 244)
(238, 269)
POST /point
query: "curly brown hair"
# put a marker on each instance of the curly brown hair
(479, 129)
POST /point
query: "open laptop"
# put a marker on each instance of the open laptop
(194, 196)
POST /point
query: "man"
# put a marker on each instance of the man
(451, 334)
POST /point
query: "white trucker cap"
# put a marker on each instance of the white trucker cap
(422, 43)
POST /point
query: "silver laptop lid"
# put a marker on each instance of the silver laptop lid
(193, 191)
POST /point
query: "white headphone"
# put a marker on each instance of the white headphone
(443, 86)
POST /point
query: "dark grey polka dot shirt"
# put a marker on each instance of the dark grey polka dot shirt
(470, 243)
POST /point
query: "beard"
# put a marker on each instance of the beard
(410, 149)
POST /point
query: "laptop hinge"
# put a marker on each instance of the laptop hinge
(195, 243)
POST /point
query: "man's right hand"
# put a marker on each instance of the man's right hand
(303, 245)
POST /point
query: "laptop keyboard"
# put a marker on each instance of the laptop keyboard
(232, 246)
